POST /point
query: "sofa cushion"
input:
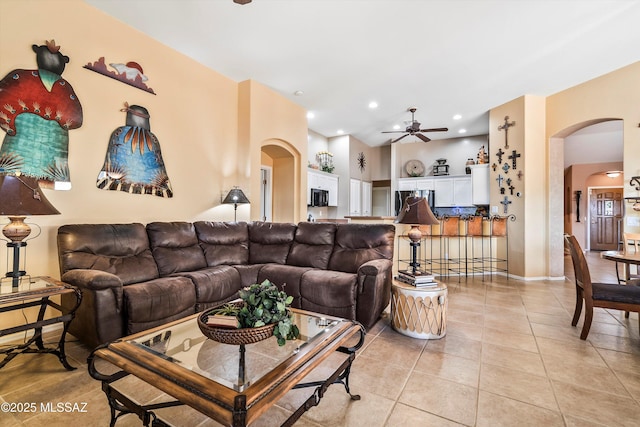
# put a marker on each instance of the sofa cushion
(356, 244)
(214, 285)
(270, 242)
(286, 278)
(248, 273)
(120, 249)
(157, 302)
(223, 242)
(329, 292)
(312, 244)
(175, 247)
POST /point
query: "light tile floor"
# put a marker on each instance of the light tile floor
(510, 358)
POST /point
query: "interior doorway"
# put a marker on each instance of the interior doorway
(605, 218)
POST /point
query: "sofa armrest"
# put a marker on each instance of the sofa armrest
(374, 290)
(374, 267)
(91, 279)
(99, 318)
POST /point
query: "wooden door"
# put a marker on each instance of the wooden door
(605, 211)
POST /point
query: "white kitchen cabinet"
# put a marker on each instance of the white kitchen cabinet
(355, 197)
(462, 191)
(444, 192)
(410, 184)
(454, 191)
(480, 184)
(323, 181)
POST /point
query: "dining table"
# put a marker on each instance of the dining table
(628, 258)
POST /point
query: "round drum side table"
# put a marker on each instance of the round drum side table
(419, 312)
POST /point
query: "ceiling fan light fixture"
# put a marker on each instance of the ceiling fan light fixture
(242, 1)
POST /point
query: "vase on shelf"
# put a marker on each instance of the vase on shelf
(469, 163)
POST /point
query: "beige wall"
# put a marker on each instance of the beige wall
(615, 95)
(211, 129)
(455, 150)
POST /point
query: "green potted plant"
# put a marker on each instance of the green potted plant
(262, 304)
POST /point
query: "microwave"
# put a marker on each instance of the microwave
(319, 197)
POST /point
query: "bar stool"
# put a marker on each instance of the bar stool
(450, 229)
(499, 232)
(474, 232)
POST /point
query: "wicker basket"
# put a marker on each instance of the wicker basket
(234, 336)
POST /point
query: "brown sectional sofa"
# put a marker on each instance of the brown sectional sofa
(134, 277)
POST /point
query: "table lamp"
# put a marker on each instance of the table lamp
(416, 212)
(235, 197)
(20, 196)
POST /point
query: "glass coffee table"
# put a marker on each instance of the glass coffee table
(36, 292)
(212, 377)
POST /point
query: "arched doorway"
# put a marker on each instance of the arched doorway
(583, 142)
(283, 162)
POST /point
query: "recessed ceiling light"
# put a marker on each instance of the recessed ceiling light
(457, 117)
(396, 127)
(462, 131)
(340, 131)
(373, 104)
(310, 115)
(298, 93)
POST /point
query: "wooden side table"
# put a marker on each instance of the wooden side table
(419, 312)
(36, 292)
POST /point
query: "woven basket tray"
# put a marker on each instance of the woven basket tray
(234, 336)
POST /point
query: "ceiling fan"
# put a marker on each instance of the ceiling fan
(414, 129)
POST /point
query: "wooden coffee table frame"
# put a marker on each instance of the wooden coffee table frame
(36, 292)
(213, 399)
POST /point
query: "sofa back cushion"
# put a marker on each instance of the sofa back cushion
(270, 242)
(356, 244)
(175, 247)
(224, 242)
(120, 249)
(312, 245)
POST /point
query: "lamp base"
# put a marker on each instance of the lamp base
(17, 230)
(16, 273)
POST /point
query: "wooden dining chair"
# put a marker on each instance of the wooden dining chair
(603, 295)
(631, 240)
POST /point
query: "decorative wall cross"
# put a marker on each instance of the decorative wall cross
(505, 168)
(499, 179)
(500, 153)
(514, 157)
(506, 127)
(494, 166)
(520, 174)
(506, 202)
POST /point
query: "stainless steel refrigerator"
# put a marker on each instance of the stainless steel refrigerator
(402, 195)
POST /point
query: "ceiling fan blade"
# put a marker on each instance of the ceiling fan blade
(435, 130)
(398, 139)
(422, 137)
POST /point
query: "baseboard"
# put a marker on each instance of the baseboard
(21, 337)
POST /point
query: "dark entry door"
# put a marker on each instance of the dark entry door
(606, 214)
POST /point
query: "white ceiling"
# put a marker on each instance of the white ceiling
(444, 57)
